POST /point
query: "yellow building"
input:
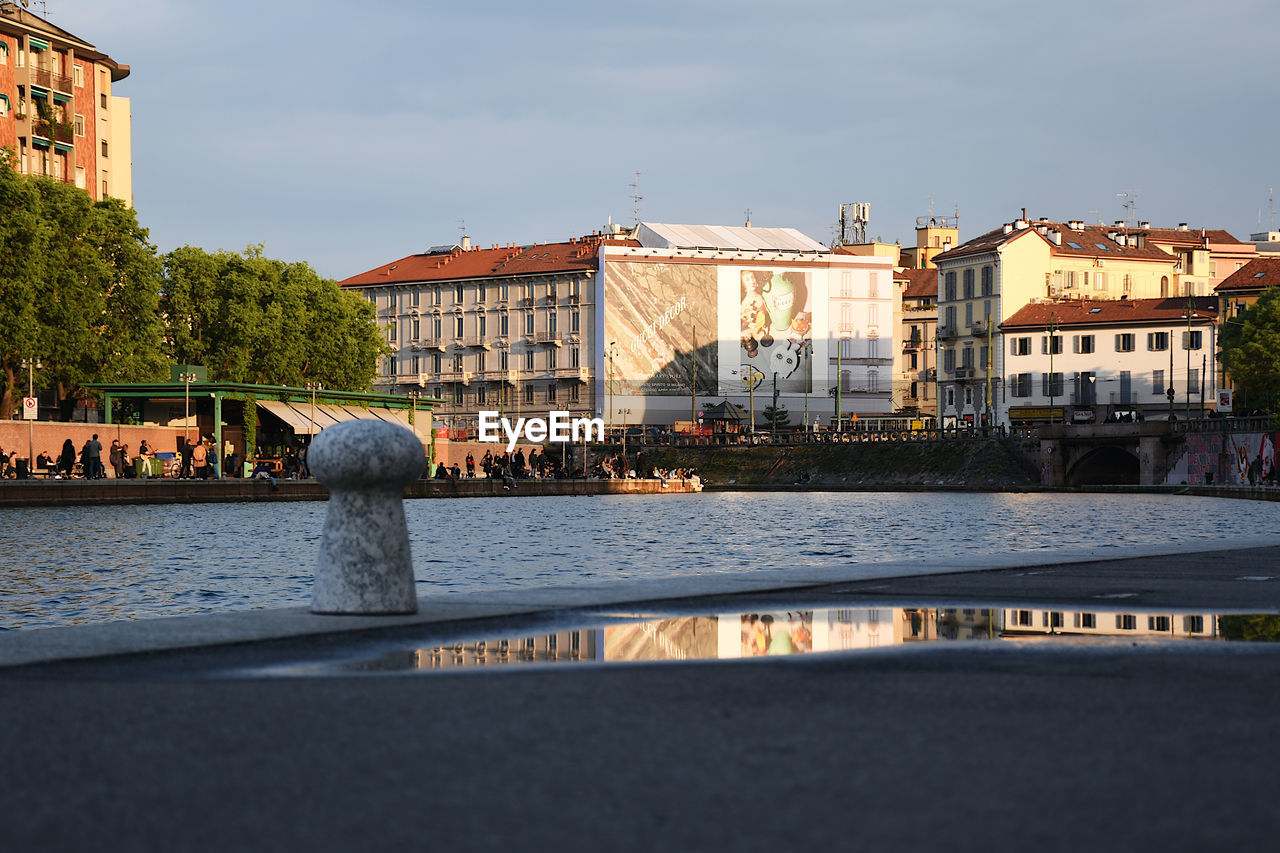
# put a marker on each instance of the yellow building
(934, 235)
(984, 281)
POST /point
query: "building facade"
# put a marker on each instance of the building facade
(641, 327)
(1086, 361)
(984, 281)
(916, 365)
(58, 113)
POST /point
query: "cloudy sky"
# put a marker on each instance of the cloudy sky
(351, 134)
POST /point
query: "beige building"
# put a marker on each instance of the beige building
(934, 235)
(58, 111)
(984, 281)
(915, 361)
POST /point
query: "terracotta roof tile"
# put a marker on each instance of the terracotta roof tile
(463, 264)
(1091, 241)
(921, 284)
(1110, 312)
(1258, 274)
(1192, 236)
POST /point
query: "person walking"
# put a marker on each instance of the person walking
(67, 459)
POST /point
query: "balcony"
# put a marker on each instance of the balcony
(912, 344)
(979, 328)
(964, 373)
(548, 336)
(527, 301)
(62, 132)
(946, 333)
(461, 377)
(576, 374)
(46, 78)
(477, 342)
(433, 343)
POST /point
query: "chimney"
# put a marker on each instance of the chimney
(1008, 228)
(1055, 237)
(1182, 226)
(466, 243)
(1144, 224)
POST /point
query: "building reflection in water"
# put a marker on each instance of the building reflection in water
(792, 632)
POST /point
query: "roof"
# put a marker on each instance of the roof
(461, 264)
(657, 235)
(1258, 274)
(1111, 312)
(921, 284)
(1089, 241)
(19, 18)
(1192, 236)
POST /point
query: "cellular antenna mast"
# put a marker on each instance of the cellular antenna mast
(636, 198)
(1130, 206)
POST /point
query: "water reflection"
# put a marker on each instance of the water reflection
(727, 636)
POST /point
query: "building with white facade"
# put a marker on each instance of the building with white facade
(1090, 360)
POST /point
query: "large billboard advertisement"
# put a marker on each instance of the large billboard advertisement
(776, 329)
(660, 328)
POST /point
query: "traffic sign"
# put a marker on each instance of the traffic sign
(30, 408)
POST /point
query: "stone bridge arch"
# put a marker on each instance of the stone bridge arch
(1110, 465)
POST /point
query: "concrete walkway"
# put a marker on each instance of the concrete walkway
(995, 745)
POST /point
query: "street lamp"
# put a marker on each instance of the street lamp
(313, 387)
(186, 379)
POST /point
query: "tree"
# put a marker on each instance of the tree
(253, 319)
(1250, 352)
(21, 238)
(777, 417)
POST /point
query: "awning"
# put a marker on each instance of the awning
(299, 423)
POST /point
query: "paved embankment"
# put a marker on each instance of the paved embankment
(1056, 748)
(90, 492)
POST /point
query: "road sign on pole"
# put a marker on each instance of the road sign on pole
(30, 408)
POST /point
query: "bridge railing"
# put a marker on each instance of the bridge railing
(1256, 423)
(794, 439)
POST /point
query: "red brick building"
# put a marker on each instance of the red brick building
(58, 115)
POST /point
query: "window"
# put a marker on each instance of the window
(1157, 341)
(391, 331)
(435, 296)
(968, 313)
(1124, 343)
(481, 396)
(4, 105)
(873, 286)
(968, 283)
(457, 363)
(873, 348)
(415, 297)
(1128, 282)
(482, 324)
(1126, 622)
(551, 322)
(573, 393)
(502, 324)
(480, 362)
(983, 355)
(528, 360)
(551, 291)
(986, 281)
(873, 381)
(1082, 343)
(1193, 381)
(435, 366)
(1086, 388)
(950, 315)
(1157, 382)
(436, 327)
(574, 356)
(504, 360)
(457, 295)
(551, 393)
(1099, 281)
(1050, 344)
(4, 54)
(1020, 346)
(574, 320)
(1020, 384)
(528, 392)
(77, 75)
(480, 291)
(1086, 620)
(1193, 624)
(551, 359)
(846, 348)
(846, 284)
(949, 287)
(104, 148)
(1158, 623)
(416, 331)
(966, 357)
(417, 364)
(1191, 340)
(873, 315)
(528, 323)
(1051, 384)
(1126, 387)
(949, 360)
(457, 321)
(1069, 279)
(1022, 617)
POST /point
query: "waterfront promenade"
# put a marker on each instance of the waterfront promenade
(139, 736)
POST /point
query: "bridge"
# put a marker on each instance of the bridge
(1146, 453)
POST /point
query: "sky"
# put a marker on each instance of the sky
(350, 135)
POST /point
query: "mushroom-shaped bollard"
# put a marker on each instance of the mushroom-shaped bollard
(365, 565)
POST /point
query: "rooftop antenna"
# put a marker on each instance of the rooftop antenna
(853, 223)
(1097, 215)
(1130, 206)
(1271, 202)
(748, 212)
(636, 198)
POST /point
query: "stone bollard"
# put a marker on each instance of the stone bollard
(365, 565)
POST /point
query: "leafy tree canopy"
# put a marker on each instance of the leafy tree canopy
(1250, 352)
(253, 319)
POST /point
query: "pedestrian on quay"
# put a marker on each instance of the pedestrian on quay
(92, 460)
(200, 460)
(211, 459)
(185, 451)
(67, 460)
(471, 466)
(113, 455)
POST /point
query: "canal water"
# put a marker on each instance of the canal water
(76, 565)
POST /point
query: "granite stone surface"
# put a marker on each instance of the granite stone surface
(365, 565)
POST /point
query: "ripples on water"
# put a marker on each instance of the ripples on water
(73, 565)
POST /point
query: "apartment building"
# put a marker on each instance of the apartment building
(984, 281)
(1087, 360)
(645, 326)
(58, 113)
(915, 361)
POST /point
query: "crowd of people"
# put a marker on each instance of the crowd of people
(510, 467)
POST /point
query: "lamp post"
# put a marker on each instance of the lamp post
(1052, 347)
(313, 387)
(186, 378)
(31, 364)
